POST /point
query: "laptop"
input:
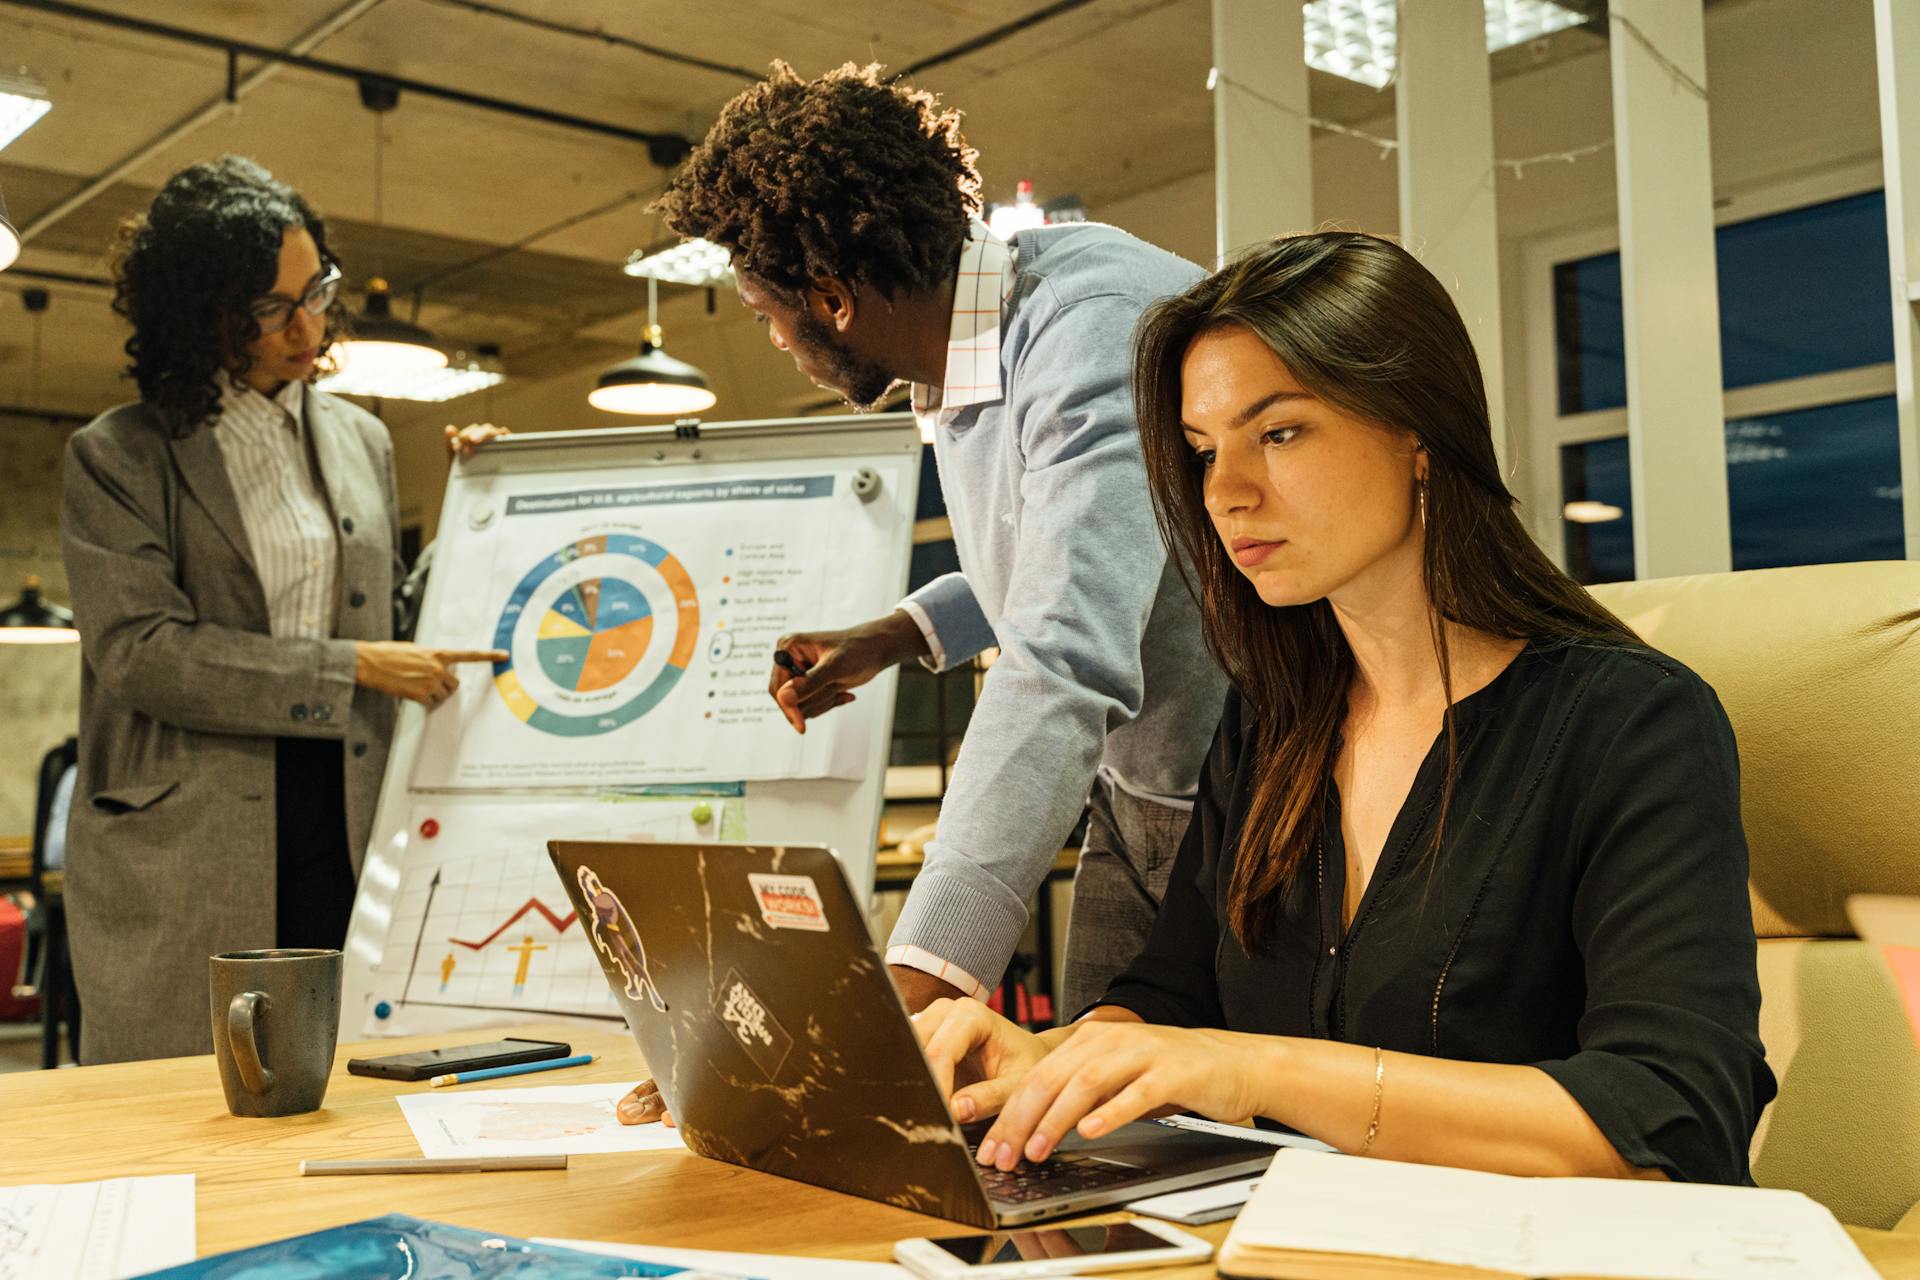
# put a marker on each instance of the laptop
(755, 993)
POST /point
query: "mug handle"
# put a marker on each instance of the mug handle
(241, 1013)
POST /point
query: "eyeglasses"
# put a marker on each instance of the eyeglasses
(274, 315)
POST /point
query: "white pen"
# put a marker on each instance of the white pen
(449, 1164)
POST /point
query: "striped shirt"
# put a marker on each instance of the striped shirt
(980, 292)
(289, 526)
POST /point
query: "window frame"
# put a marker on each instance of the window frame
(1548, 430)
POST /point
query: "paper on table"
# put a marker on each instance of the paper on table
(96, 1230)
(567, 1119)
(766, 1266)
(1320, 1203)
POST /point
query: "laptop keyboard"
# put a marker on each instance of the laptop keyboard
(1061, 1175)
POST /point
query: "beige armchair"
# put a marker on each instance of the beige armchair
(1819, 670)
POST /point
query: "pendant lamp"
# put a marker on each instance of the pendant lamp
(9, 237)
(653, 382)
(32, 620)
(385, 353)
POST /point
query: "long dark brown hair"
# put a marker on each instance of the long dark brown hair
(1363, 326)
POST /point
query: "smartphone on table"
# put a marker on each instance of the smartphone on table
(429, 1063)
(1050, 1251)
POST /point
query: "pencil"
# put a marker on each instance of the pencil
(518, 1069)
(449, 1164)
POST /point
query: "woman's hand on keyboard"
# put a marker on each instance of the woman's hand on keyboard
(1109, 1073)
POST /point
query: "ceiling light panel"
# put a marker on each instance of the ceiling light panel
(694, 262)
(1358, 39)
(23, 100)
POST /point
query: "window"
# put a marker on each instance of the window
(1811, 486)
(1806, 338)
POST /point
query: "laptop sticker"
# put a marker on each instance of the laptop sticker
(789, 902)
(752, 1024)
(615, 937)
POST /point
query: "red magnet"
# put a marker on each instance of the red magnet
(430, 828)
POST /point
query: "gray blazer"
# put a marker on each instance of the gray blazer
(171, 845)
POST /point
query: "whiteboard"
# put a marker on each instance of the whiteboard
(459, 921)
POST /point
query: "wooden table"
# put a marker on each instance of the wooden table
(169, 1117)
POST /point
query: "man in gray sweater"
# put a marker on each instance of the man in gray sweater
(850, 207)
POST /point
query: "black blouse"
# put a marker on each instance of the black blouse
(1587, 912)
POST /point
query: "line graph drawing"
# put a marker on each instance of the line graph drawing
(560, 924)
(519, 953)
(480, 920)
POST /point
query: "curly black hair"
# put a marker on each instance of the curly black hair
(186, 272)
(846, 176)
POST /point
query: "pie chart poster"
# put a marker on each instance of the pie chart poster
(639, 622)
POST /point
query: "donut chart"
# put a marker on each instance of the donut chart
(597, 626)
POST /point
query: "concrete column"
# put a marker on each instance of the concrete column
(1896, 25)
(1444, 100)
(1262, 144)
(1676, 425)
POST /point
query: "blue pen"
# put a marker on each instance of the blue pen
(518, 1069)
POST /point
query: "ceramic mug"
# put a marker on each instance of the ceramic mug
(276, 1019)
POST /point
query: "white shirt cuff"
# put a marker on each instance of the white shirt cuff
(914, 958)
(936, 659)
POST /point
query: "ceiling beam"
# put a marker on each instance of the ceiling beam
(210, 110)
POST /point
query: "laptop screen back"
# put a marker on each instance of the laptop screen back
(768, 1018)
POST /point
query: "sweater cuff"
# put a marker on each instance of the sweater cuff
(963, 917)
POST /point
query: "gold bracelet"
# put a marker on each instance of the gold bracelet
(1379, 1091)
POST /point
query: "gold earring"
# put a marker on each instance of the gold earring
(1423, 502)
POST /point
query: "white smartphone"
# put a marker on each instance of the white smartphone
(1050, 1251)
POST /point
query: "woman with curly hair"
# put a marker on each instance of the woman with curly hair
(231, 543)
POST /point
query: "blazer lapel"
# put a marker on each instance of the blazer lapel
(205, 472)
(337, 472)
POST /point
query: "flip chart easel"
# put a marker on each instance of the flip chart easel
(638, 578)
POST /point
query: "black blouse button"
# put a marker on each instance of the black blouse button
(346, 523)
(357, 599)
(299, 711)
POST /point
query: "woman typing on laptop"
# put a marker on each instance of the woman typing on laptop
(1466, 881)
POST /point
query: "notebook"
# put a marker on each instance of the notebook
(398, 1245)
(1333, 1217)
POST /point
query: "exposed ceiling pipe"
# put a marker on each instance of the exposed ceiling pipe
(664, 149)
(208, 112)
(987, 39)
(603, 36)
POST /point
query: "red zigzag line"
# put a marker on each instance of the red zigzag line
(559, 924)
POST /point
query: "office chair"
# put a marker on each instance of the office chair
(1819, 670)
(46, 966)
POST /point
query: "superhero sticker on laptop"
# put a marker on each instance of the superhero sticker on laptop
(615, 938)
(789, 902)
(753, 1024)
